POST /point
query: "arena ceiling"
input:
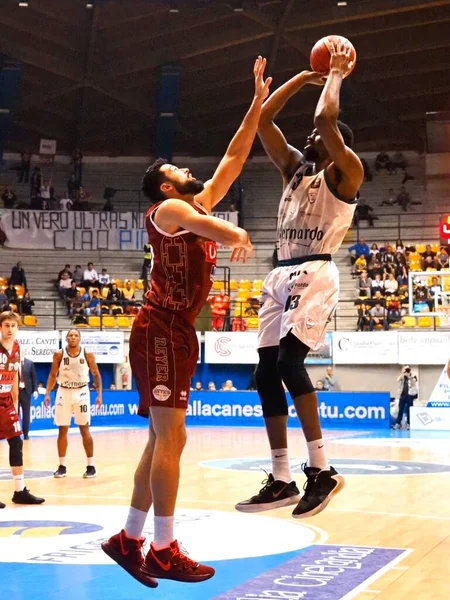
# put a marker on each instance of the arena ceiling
(90, 76)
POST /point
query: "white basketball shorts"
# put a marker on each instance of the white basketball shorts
(299, 299)
(74, 402)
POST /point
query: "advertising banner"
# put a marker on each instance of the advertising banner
(425, 348)
(430, 418)
(38, 346)
(440, 396)
(358, 410)
(365, 348)
(108, 346)
(238, 347)
(324, 356)
(67, 230)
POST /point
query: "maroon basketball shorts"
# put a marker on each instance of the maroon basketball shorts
(9, 419)
(163, 358)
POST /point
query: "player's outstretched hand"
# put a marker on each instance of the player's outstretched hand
(47, 400)
(340, 56)
(99, 401)
(261, 86)
(316, 78)
(241, 255)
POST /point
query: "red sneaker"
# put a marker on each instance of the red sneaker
(127, 552)
(171, 563)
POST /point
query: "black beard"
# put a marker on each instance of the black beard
(310, 154)
(192, 187)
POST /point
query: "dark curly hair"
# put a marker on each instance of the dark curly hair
(347, 134)
(152, 180)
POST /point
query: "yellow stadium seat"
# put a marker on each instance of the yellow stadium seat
(117, 281)
(3, 281)
(435, 247)
(14, 307)
(245, 284)
(425, 322)
(81, 290)
(140, 284)
(409, 321)
(257, 283)
(20, 291)
(123, 322)
(420, 248)
(239, 309)
(29, 320)
(217, 285)
(105, 292)
(108, 321)
(252, 323)
(94, 321)
(233, 285)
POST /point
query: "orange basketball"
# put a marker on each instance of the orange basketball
(320, 55)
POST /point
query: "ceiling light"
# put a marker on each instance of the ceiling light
(174, 7)
(239, 7)
(23, 4)
(343, 3)
(89, 5)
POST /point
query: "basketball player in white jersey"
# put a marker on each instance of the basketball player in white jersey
(71, 367)
(300, 295)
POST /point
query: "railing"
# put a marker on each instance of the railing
(395, 223)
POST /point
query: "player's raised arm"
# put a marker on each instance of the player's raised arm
(237, 153)
(57, 357)
(90, 358)
(284, 156)
(350, 170)
(177, 212)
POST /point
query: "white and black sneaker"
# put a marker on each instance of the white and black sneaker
(90, 473)
(320, 488)
(274, 494)
(60, 472)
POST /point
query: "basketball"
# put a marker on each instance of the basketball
(320, 54)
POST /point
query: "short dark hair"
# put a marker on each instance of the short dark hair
(152, 180)
(73, 329)
(346, 133)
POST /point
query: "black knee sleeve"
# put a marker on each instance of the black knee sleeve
(269, 385)
(15, 452)
(291, 366)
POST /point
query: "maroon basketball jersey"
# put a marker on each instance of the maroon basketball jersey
(183, 268)
(9, 366)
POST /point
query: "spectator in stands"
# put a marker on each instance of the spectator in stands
(115, 299)
(374, 270)
(363, 317)
(428, 258)
(212, 387)
(402, 278)
(41, 390)
(394, 310)
(319, 386)
(65, 270)
(11, 293)
(403, 198)
(398, 162)
(383, 162)
(357, 249)
(198, 387)
(25, 163)
(3, 300)
(377, 298)
(46, 192)
(399, 259)
(26, 304)
(90, 277)
(77, 166)
(442, 259)
(220, 305)
(390, 285)
(64, 284)
(228, 386)
(330, 383)
(390, 199)
(76, 304)
(65, 203)
(374, 253)
(77, 275)
(9, 198)
(363, 212)
(364, 285)
(108, 206)
(131, 306)
(70, 294)
(17, 276)
(360, 265)
(93, 307)
(252, 309)
(421, 296)
(367, 172)
(104, 278)
(378, 316)
(72, 188)
(35, 182)
(376, 285)
(82, 201)
(400, 246)
(435, 287)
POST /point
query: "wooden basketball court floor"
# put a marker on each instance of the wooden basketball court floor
(386, 536)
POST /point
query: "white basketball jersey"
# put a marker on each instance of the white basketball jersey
(311, 218)
(73, 370)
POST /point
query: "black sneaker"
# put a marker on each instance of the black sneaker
(2, 505)
(274, 494)
(60, 472)
(26, 497)
(90, 473)
(320, 487)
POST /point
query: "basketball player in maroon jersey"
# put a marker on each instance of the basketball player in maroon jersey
(9, 401)
(164, 346)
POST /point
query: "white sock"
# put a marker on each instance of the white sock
(90, 461)
(135, 523)
(316, 455)
(280, 465)
(163, 532)
(19, 483)
(62, 461)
